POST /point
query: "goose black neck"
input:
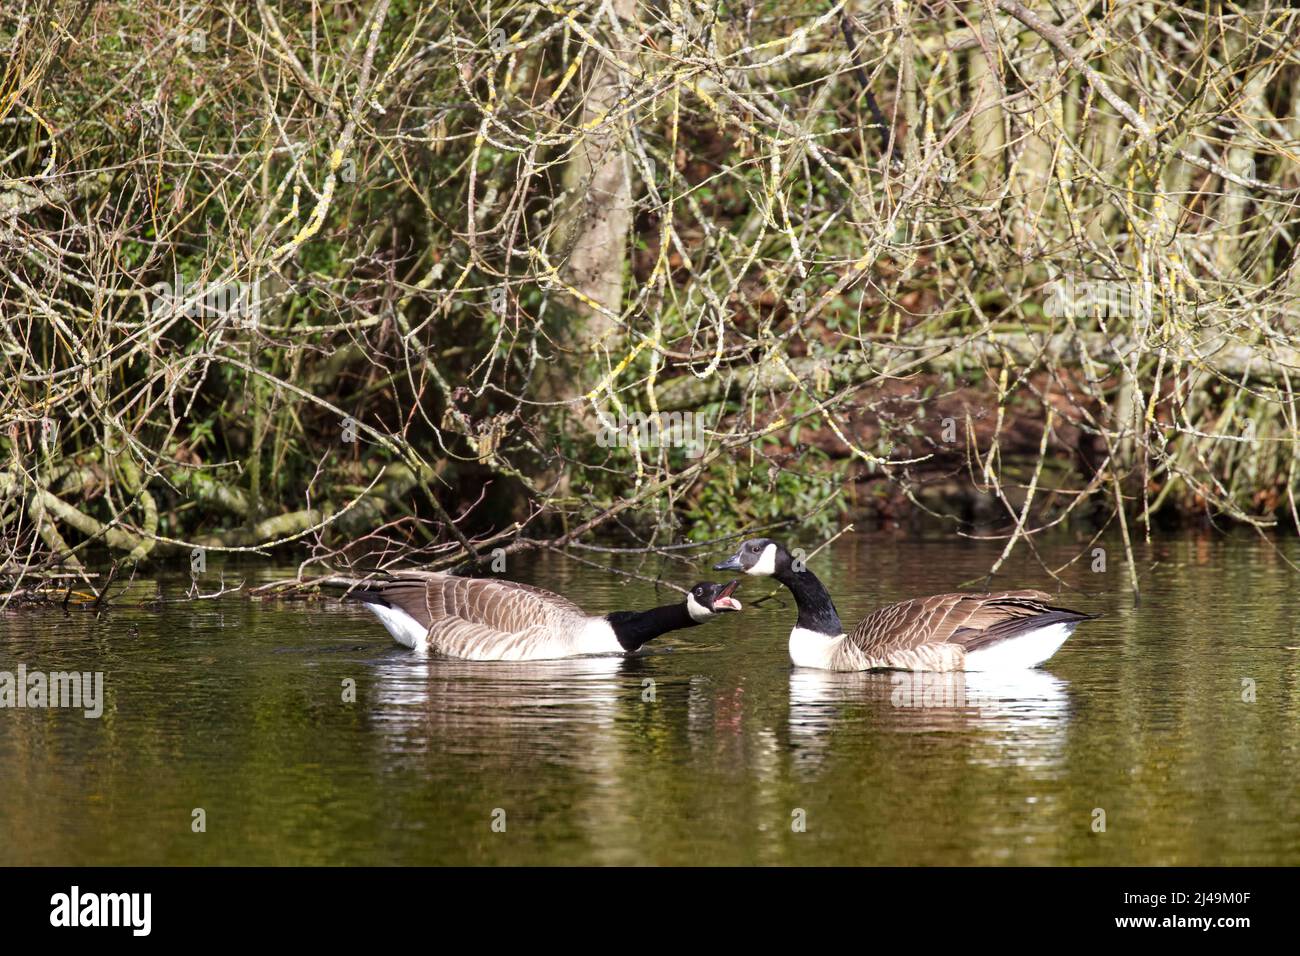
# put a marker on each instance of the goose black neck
(634, 628)
(816, 609)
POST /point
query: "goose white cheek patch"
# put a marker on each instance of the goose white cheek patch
(766, 565)
(696, 610)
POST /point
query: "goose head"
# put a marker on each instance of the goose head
(761, 557)
(707, 599)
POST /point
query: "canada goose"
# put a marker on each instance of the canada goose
(947, 632)
(487, 619)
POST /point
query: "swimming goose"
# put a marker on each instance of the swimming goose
(487, 619)
(947, 632)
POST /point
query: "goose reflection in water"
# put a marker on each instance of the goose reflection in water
(1020, 717)
(429, 702)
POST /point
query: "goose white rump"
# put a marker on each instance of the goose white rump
(1029, 649)
(405, 629)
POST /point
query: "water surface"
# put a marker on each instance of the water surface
(709, 749)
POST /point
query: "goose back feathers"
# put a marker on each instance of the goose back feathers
(957, 631)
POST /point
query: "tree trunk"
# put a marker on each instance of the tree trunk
(596, 213)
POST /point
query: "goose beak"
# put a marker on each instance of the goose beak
(731, 564)
(724, 600)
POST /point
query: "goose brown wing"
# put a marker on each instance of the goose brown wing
(969, 619)
(504, 606)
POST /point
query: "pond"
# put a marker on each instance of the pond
(229, 734)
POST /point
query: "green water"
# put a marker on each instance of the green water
(236, 707)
